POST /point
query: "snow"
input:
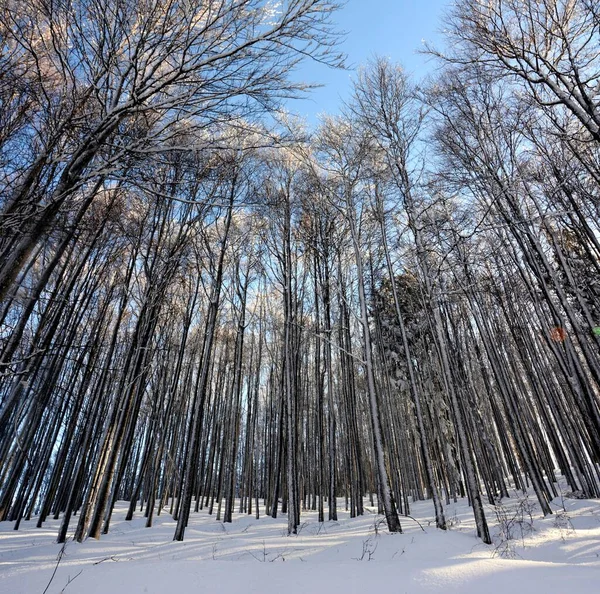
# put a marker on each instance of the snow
(557, 554)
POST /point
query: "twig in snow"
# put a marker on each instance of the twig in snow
(58, 560)
(113, 558)
(71, 579)
(417, 521)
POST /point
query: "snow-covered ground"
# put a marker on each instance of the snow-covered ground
(557, 554)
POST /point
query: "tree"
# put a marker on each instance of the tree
(107, 94)
(345, 155)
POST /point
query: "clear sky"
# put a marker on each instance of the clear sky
(392, 28)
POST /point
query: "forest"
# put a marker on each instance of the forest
(207, 305)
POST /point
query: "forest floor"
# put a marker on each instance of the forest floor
(556, 554)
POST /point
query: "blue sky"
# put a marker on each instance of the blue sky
(392, 28)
